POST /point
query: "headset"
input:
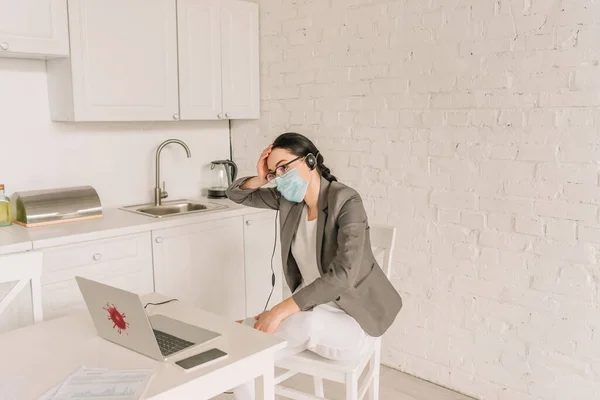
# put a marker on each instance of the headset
(311, 162)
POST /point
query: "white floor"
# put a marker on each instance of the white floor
(394, 385)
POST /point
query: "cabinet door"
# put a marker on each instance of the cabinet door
(124, 60)
(198, 26)
(124, 262)
(239, 44)
(259, 242)
(203, 264)
(34, 28)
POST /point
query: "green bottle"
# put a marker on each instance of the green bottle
(5, 217)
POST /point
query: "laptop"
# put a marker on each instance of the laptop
(119, 317)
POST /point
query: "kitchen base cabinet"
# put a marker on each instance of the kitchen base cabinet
(259, 240)
(221, 266)
(124, 262)
(203, 265)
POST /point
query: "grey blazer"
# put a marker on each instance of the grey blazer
(350, 275)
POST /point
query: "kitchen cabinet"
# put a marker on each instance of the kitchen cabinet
(157, 60)
(222, 266)
(218, 59)
(123, 64)
(259, 242)
(239, 46)
(199, 35)
(33, 28)
(203, 264)
(124, 262)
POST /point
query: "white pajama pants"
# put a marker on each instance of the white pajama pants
(328, 331)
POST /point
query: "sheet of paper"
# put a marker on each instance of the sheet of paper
(87, 384)
(49, 395)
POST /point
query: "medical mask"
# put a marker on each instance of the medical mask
(291, 186)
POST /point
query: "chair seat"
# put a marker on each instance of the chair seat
(307, 362)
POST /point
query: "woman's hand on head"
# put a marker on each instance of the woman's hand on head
(261, 167)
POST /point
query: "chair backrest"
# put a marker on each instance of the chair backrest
(383, 239)
(23, 268)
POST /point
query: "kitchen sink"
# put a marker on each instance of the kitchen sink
(171, 208)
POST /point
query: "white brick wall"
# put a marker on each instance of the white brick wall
(473, 126)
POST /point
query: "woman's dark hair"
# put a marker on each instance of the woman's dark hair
(301, 146)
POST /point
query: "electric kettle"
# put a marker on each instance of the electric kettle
(225, 172)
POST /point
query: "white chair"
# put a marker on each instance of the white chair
(23, 268)
(346, 372)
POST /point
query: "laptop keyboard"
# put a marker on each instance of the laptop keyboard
(170, 344)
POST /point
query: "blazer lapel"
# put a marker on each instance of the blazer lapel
(289, 228)
(322, 219)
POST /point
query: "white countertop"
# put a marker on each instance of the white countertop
(14, 239)
(115, 222)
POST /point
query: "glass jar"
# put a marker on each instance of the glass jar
(5, 208)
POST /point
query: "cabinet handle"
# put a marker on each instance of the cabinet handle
(249, 222)
(176, 117)
(220, 116)
(97, 256)
(158, 240)
(4, 46)
(226, 115)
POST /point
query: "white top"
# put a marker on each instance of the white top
(304, 250)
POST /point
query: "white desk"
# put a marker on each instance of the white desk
(46, 353)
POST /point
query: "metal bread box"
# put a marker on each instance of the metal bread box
(53, 206)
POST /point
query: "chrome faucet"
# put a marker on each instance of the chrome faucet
(159, 193)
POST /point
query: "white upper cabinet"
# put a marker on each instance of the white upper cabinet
(34, 28)
(199, 35)
(157, 60)
(123, 64)
(239, 48)
(218, 59)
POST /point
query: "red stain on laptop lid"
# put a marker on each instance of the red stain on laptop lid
(116, 317)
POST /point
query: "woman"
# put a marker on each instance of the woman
(341, 297)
